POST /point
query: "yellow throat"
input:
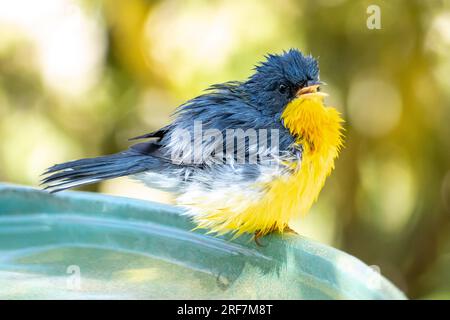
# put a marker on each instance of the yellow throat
(318, 129)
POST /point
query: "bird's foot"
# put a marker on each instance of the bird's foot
(288, 229)
(258, 235)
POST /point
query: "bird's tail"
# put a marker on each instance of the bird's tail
(86, 171)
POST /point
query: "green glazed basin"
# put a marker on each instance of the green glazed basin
(77, 245)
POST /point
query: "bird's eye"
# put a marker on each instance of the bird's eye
(282, 88)
(303, 83)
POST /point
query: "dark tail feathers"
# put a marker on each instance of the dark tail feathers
(86, 171)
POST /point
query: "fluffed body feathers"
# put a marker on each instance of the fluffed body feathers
(269, 203)
(229, 195)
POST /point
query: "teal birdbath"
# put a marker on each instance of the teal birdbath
(77, 245)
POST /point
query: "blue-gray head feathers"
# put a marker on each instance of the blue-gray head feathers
(279, 77)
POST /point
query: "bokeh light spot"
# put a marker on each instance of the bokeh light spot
(374, 105)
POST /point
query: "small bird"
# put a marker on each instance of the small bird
(243, 157)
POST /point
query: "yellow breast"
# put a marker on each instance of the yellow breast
(318, 130)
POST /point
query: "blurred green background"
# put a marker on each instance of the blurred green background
(78, 78)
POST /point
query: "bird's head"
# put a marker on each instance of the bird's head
(282, 78)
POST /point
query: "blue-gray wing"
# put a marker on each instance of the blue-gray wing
(219, 127)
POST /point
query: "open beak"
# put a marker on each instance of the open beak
(312, 90)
